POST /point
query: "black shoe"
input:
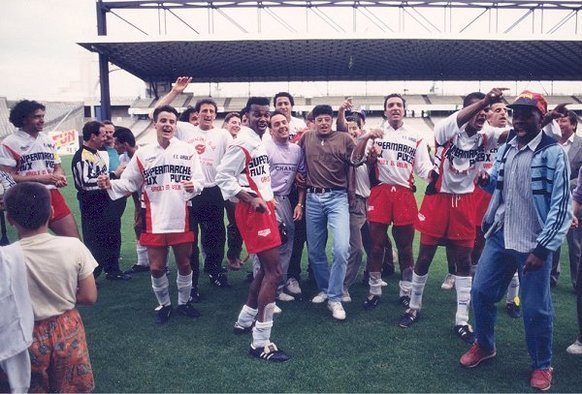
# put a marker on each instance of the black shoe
(270, 352)
(136, 268)
(163, 314)
(241, 330)
(513, 310)
(188, 310)
(465, 333)
(408, 318)
(194, 295)
(371, 303)
(219, 280)
(404, 301)
(117, 276)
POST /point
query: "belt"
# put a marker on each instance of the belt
(324, 189)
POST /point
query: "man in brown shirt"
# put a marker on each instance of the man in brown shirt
(327, 155)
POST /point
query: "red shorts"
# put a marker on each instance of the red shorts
(481, 198)
(60, 207)
(167, 239)
(59, 356)
(447, 216)
(259, 230)
(392, 204)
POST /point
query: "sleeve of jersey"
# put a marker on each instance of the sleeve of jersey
(197, 177)
(302, 167)
(232, 164)
(359, 161)
(131, 180)
(6, 157)
(422, 163)
(446, 129)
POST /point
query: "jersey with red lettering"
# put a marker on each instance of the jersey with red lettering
(460, 157)
(210, 146)
(158, 173)
(245, 166)
(402, 152)
(29, 156)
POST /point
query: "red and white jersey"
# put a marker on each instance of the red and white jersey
(460, 157)
(210, 146)
(158, 173)
(295, 126)
(245, 166)
(29, 156)
(403, 152)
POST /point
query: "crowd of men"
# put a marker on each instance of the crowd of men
(499, 199)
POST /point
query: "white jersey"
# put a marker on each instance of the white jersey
(460, 157)
(245, 166)
(402, 153)
(362, 188)
(158, 173)
(210, 146)
(29, 156)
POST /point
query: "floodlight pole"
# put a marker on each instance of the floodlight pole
(105, 108)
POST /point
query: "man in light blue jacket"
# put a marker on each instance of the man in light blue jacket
(527, 219)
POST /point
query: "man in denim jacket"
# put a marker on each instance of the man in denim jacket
(528, 217)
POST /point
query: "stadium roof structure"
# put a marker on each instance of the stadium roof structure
(254, 59)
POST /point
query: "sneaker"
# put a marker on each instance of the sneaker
(404, 301)
(408, 318)
(234, 264)
(219, 280)
(117, 276)
(337, 310)
(541, 379)
(163, 314)
(194, 295)
(136, 268)
(277, 310)
(346, 297)
(371, 303)
(285, 297)
(465, 332)
(188, 310)
(475, 356)
(293, 286)
(575, 348)
(270, 352)
(513, 310)
(238, 329)
(449, 282)
(320, 298)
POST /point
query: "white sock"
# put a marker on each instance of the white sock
(418, 283)
(142, 255)
(513, 288)
(184, 283)
(262, 333)
(463, 287)
(375, 282)
(405, 288)
(161, 288)
(268, 312)
(247, 316)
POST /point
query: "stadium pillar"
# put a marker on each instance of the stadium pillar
(105, 108)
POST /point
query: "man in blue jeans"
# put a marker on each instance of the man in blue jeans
(528, 217)
(327, 154)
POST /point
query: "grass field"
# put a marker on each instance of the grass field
(366, 353)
